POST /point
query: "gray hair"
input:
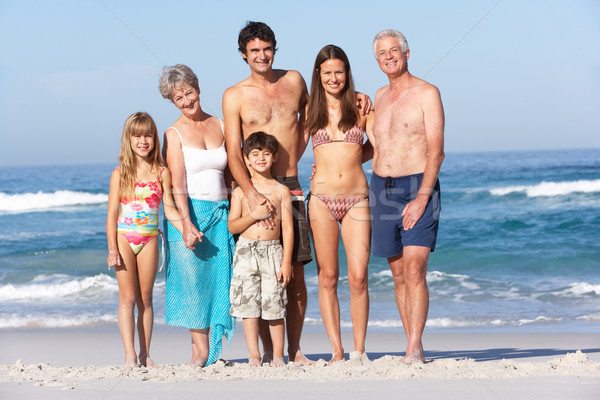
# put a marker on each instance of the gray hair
(173, 77)
(391, 33)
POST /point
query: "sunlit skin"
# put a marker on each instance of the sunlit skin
(339, 174)
(201, 131)
(272, 101)
(259, 55)
(408, 138)
(136, 273)
(242, 220)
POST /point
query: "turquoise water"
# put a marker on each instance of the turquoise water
(517, 249)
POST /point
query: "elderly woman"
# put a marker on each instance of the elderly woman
(198, 274)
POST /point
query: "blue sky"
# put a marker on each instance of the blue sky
(513, 75)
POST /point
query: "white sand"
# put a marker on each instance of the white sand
(57, 365)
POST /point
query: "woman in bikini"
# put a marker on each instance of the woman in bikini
(339, 193)
(198, 275)
(137, 185)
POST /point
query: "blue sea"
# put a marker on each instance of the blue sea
(518, 248)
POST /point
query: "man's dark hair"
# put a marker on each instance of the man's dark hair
(260, 141)
(254, 30)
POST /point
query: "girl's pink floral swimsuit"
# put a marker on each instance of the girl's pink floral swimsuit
(138, 221)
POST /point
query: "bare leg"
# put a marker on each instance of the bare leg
(325, 231)
(417, 299)
(356, 234)
(277, 328)
(128, 287)
(147, 262)
(267, 342)
(412, 297)
(296, 310)
(200, 347)
(251, 335)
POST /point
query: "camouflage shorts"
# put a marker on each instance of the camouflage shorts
(255, 291)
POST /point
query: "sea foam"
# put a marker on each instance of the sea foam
(551, 188)
(56, 287)
(41, 201)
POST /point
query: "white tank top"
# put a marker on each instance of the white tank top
(204, 171)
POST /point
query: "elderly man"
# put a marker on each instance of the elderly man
(408, 141)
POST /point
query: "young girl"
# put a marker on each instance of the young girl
(137, 185)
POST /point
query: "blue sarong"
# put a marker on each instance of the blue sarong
(197, 281)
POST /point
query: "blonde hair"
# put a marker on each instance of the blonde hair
(137, 123)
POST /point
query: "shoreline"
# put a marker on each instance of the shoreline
(57, 365)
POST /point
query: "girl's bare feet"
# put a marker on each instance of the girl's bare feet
(130, 363)
(146, 361)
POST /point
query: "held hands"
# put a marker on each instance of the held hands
(191, 236)
(114, 259)
(285, 274)
(261, 210)
(413, 211)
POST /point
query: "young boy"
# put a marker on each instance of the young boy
(261, 266)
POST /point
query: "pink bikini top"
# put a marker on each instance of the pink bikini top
(353, 135)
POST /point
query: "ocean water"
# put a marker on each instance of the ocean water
(518, 248)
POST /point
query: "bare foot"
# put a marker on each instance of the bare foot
(197, 363)
(278, 362)
(267, 358)
(302, 359)
(416, 357)
(254, 361)
(148, 363)
(358, 358)
(130, 363)
(335, 357)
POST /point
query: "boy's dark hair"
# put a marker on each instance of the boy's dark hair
(259, 141)
(254, 30)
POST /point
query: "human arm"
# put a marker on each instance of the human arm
(303, 112)
(169, 205)
(114, 258)
(235, 158)
(237, 222)
(367, 149)
(433, 118)
(364, 103)
(173, 154)
(287, 234)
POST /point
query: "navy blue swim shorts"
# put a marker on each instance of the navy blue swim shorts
(387, 199)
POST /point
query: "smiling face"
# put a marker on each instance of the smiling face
(333, 76)
(142, 143)
(186, 98)
(390, 57)
(259, 55)
(261, 160)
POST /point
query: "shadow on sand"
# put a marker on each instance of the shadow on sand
(477, 355)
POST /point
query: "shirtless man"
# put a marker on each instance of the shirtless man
(408, 141)
(273, 101)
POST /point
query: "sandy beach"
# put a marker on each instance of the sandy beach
(54, 364)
